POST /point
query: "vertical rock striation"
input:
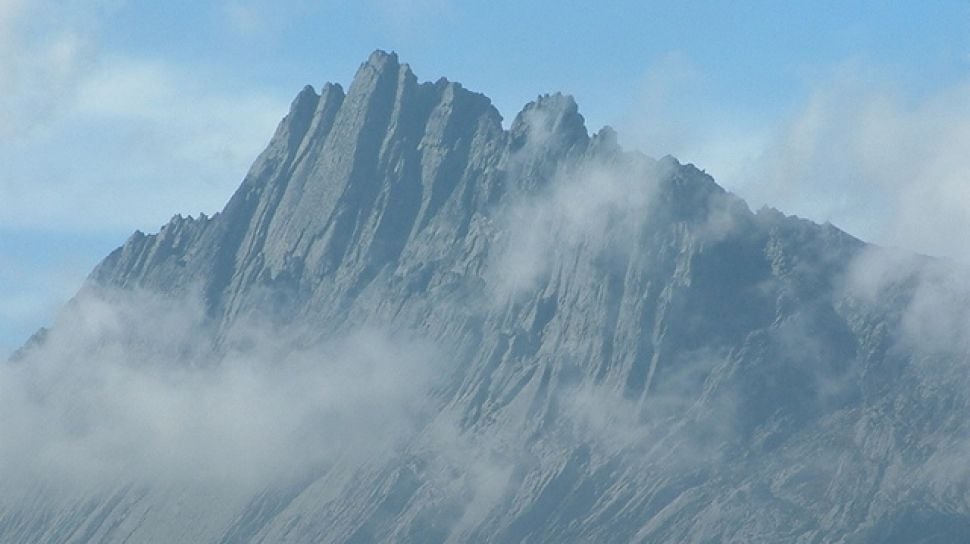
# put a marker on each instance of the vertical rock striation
(632, 354)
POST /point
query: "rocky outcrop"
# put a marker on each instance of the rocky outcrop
(631, 354)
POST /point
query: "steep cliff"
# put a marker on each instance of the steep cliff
(616, 349)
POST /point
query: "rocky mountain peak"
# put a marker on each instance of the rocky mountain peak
(551, 117)
(611, 348)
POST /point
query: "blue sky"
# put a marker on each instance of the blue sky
(115, 115)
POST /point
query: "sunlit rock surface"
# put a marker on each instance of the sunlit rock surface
(611, 348)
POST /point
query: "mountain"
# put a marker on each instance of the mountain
(410, 324)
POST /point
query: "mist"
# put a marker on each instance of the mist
(621, 344)
(130, 387)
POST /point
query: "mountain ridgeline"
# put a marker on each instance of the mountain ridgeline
(559, 340)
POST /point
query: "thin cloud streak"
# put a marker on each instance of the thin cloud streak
(158, 128)
(859, 153)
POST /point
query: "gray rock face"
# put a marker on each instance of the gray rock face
(623, 352)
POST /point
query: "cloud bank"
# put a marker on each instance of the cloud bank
(128, 387)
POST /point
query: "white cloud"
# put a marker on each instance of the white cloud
(186, 121)
(581, 205)
(45, 48)
(931, 296)
(134, 128)
(858, 150)
(84, 131)
(128, 387)
(860, 153)
(264, 19)
(410, 20)
(659, 123)
(98, 142)
(247, 18)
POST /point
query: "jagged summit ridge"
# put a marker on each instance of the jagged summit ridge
(366, 171)
(616, 349)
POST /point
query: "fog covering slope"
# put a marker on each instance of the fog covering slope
(412, 325)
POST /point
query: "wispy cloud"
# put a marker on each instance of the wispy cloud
(410, 20)
(128, 388)
(585, 205)
(45, 48)
(855, 147)
(864, 154)
(264, 20)
(660, 121)
(583, 202)
(158, 126)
